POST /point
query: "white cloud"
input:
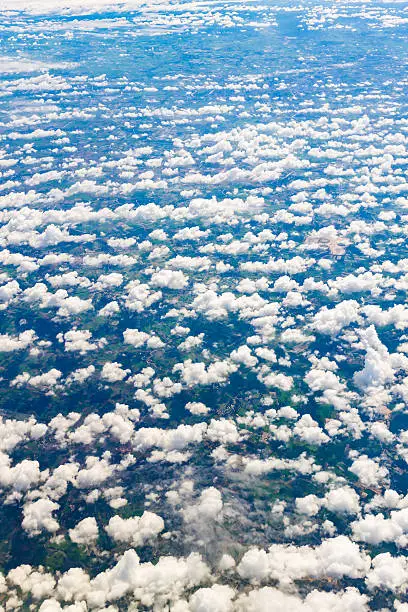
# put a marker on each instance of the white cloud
(172, 279)
(388, 572)
(38, 516)
(368, 471)
(85, 532)
(332, 320)
(9, 344)
(137, 530)
(112, 371)
(336, 558)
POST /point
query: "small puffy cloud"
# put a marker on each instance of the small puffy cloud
(137, 530)
(169, 439)
(331, 321)
(48, 379)
(22, 476)
(80, 375)
(223, 431)
(39, 583)
(389, 573)
(343, 500)
(112, 371)
(38, 516)
(135, 337)
(208, 507)
(375, 529)
(378, 368)
(198, 374)
(217, 598)
(139, 338)
(244, 356)
(140, 297)
(278, 380)
(369, 472)
(308, 430)
(95, 472)
(269, 598)
(110, 309)
(336, 558)
(85, 532)
(171, 279)
(77, 340)
(197, 408)
(9, 344)
(190, 234)
(309, 505)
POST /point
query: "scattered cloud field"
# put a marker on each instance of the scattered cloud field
(204, 323)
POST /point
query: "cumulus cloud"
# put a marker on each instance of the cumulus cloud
(112, 371)
(9, 344)
(172, 279)
(85, 532)
(208, 507)
(337, 558)
(331, 321)
(369, 471)
(198, 374)
(137, 530)
(38, 517)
